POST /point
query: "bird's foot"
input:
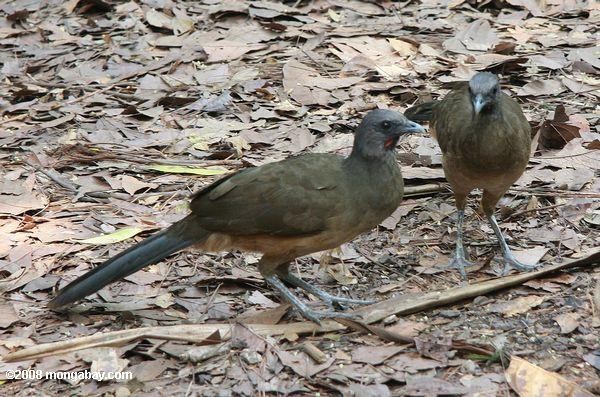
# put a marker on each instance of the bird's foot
(301, 307)
(511, 262)
(459, 261)
(333, 301)
(339, 302)
(316, 316)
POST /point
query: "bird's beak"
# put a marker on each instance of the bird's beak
(402, 128)
(410, 127)
(478, 103)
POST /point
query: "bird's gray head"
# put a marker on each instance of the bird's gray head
(485, 91)
(379, 131)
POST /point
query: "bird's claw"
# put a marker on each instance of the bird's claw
(302, 308)
(333, 301)
(316, 316)
(338, 302)
(510, 262)
(460, 262)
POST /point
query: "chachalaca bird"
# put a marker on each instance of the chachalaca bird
(284, 210)
(485, 141)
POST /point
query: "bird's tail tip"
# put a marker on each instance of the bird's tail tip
(420, 113)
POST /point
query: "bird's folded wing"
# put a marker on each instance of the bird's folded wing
(294, 197)
(452, 117)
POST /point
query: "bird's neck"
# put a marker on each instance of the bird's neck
(370, 159)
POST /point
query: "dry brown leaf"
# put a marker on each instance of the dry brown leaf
(541, 87)
(16, 205)
(573, 179)
(593, 358)
(391, 221)
(341, 273)
(478, 36)
(557, 132)
(531, 255)
(403, 48)
(529, 380)
(307, 87)
(8, 315)
(301, 363)
(568, 322)
(375, 355)
(518, 305)
(257, 298)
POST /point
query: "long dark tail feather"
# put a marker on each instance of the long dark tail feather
(420, 113)
(178, 236)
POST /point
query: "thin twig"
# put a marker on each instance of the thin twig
(519, 213)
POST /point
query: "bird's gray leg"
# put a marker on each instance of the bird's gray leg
(509, 258)
(459, 261)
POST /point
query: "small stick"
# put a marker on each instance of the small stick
(314, 352)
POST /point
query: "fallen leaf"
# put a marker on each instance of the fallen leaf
(573, 179)
(430, 386)
(375, 390)
(529, 380)
(593, 358)
(131, 185)
(257, 298)
(404, 209)
(516, 306)
(158, 19)
(341, 274)
(531, 255)
(403, 48)
(111, 238)
(541, 87)
(164, 300)
(375, 355)
(16, 205)
(7, 315)
(307, 87)
(555, 133)
(568, 322)
(301, 363)
(478, 36)
(180, 169)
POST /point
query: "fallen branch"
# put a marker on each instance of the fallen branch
(416, 303)
(555, 192)
(421, 190)
(194, 333)
(197, 333)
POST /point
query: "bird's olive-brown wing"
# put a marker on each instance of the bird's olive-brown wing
(451, 116)
(292, 197)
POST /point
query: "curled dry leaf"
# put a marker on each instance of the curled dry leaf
(555, 133)
(529, 380)
(516, 306)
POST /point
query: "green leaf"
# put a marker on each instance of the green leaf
(112, 238)
(181, 169)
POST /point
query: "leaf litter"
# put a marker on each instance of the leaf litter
(113, 113)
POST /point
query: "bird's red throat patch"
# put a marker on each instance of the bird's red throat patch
(390, 143)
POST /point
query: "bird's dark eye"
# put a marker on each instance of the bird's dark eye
(386, 124)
